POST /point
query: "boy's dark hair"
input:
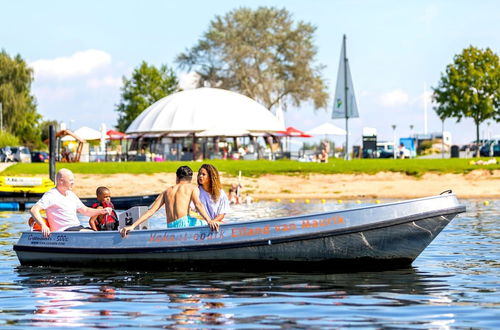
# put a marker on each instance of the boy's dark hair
(100, 190)
(184, 173)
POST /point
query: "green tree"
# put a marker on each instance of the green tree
(44, 127)
(147, 85)
(7, 139)
(261, 54)
(470, 88)
(20, 117)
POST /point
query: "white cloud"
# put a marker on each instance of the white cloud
(78, 64)
(425, 97)
(394, 98)
(107, 81)
(53, 94)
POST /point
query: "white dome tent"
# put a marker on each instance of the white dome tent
(205, 112)
(202, 109)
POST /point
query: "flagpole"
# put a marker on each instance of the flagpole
(345, 98)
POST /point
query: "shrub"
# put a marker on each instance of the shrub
(7, 139)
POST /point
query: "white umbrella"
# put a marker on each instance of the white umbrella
(326, 129)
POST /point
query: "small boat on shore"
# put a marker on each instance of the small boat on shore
(377, 236)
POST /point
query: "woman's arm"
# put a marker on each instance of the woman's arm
(220, 217)
(195, 197)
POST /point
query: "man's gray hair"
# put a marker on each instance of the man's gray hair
(62, 172)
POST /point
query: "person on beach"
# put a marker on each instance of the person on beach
(61, 206)
(177, 199)
(106, 221)
(212, 196)
(234, 197)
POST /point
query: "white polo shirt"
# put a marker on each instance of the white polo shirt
(61, 210)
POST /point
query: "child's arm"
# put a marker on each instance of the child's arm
(94, 220)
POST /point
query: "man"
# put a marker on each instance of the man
(61, 206)
(177, 200)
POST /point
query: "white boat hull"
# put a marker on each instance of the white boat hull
(386, 235)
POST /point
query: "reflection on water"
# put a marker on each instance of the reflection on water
(66, 296)
(454, 283)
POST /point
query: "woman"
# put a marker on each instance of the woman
(211, 194)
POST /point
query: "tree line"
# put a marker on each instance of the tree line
(263, 54)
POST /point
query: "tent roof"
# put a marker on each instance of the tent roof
(326, 129)
(85, 133)
(205, 110)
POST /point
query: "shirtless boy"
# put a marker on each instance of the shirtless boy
(177, 199)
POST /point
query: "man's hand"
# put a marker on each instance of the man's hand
(106, 210)
(124, 231)
(45, 229)
(214, 225)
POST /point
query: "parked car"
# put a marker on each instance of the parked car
(21, 154)
(6, 155)
(385, 150)
(490, 148)
(39, 157)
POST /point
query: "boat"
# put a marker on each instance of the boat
(16, 191)
(20, 202)
(380, 236)
(124, 202)
(18, 186)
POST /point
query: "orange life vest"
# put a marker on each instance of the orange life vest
(35, 226)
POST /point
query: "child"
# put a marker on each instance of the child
(107, 221)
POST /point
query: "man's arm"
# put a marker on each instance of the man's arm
(195, 197)
(159, 201)
(90, 212)
(35, 212)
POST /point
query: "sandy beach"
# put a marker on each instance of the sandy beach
(476, 184)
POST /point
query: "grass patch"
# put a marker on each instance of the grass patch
(249, 168)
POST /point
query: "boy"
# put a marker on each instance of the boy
(107, 221)
(176, 200)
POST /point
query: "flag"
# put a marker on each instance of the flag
(339, 110)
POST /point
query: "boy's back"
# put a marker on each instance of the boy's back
(177, 199)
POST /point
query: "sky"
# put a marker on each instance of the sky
(397, 51)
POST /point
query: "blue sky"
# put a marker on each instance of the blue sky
(81, 49)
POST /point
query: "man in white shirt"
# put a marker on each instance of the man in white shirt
(61, 206)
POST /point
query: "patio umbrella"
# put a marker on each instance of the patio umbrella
(115, 135)
(293, 132)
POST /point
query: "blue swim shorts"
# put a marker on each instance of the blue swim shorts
(186, 221)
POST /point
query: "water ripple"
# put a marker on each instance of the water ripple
(454, 283)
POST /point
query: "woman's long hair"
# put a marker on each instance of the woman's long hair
(214, 180)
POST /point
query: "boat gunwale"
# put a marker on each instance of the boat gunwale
(249, 243)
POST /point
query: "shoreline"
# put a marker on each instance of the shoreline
(476, 184)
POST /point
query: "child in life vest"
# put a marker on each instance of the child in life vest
(106, 221)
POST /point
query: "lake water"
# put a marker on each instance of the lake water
(454, 284)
